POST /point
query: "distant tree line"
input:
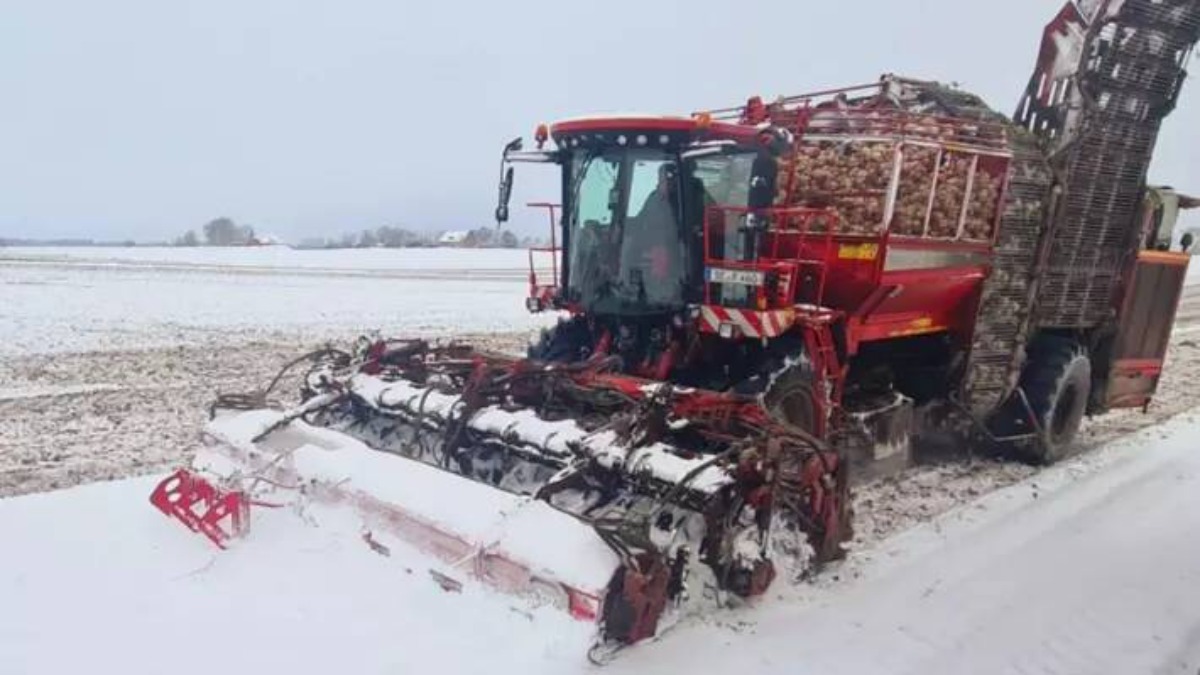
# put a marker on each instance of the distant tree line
(399, 237)
(220, 232)
(490, 237)
(225, 232)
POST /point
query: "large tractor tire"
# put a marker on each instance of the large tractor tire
(786, 384)
(790, 396)
(1057, 382)
(875, 430)
(789, 392)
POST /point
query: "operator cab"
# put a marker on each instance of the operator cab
(635, 195)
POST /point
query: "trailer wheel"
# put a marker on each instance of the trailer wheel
(1057, 381)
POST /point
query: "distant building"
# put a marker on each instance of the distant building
(453, 238)
(265, 240)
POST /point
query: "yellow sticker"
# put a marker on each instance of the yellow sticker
(922, 326)
(858, 251)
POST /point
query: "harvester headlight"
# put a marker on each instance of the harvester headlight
(726, 331)
(533, 305)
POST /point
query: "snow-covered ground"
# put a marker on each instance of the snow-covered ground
(281, 257)
(95, 580)
(86, 299)
(109, 356)
(1090, 567)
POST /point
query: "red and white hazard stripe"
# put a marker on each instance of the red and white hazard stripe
(748, 323)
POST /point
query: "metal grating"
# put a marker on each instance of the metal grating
(1005, 308)
(1132, 71)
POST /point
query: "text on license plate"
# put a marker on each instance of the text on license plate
(717, 275)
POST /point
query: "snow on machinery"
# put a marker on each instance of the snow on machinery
(599, 492)
(760, 299)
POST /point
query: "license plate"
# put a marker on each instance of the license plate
(738, 277)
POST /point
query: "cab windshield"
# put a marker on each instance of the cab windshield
(628, 243)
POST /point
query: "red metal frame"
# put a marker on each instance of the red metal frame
(695, 124)
(829, 368)
(219, 515)
(851, 285)
(901, 241)
(782, 224)
(878, 303)
(791, 247)
(864, 117)
(1133, 379)
(545, 293)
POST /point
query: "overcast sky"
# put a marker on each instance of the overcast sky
(143, 118)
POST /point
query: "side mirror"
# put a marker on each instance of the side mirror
(506, 181)
(506, 184)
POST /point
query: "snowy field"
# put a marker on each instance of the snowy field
(107, 584)
(1089, 567)
(89, 299)
(110, 356)
(284, 258)
(86, 299)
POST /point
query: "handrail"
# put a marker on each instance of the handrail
(779, 222)
(870, 112)
(551, 208)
